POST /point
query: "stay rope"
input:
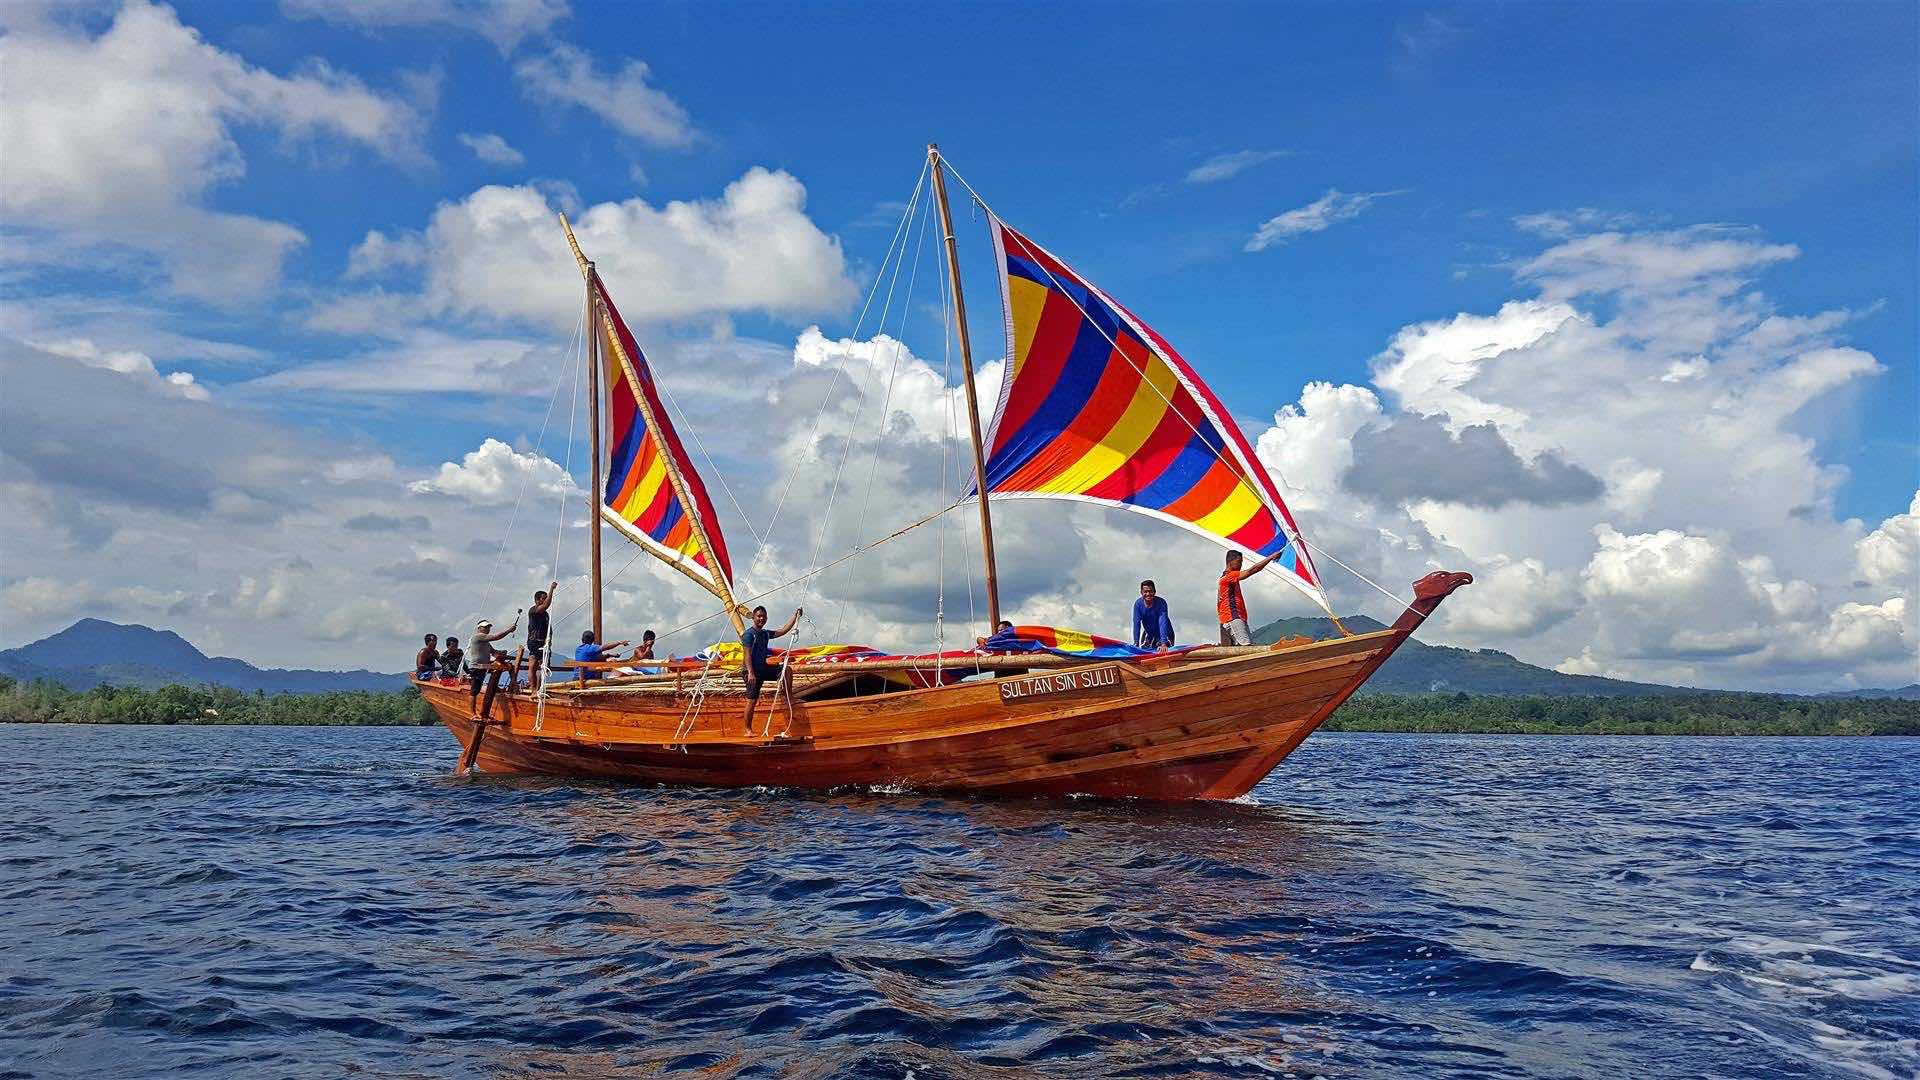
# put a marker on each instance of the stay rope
(839, 371)
(552, 398)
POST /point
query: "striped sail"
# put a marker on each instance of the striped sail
(640, 499)
(1097, 407)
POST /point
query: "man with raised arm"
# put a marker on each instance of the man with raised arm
(484, 658)
(1232, 605)
(754, 666)
(537, 633)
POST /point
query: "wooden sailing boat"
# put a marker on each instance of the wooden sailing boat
(1095, 406)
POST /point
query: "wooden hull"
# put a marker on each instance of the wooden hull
(1208, 729)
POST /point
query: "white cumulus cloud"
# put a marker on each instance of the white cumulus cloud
(496, 473)
(120, 139)
(1889, 556)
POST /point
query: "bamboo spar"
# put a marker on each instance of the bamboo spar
(595, 494)
(966, 368)
(717, 585)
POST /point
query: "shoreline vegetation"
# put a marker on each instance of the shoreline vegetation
(1465, 714)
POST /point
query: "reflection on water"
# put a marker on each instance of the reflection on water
(281, 902)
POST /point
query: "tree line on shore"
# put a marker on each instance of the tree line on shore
(51, 703)
(1678, 714)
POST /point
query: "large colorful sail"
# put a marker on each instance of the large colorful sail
(1095, 406)
(640, 499)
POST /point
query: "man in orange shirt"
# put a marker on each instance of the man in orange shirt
(1232, 605)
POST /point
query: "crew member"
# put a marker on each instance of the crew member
(426, 662)
(450, 658)
(1152, 624)
(590, 652)
(485, 657)
(537, 632)
(754, 666)
(1232, 606)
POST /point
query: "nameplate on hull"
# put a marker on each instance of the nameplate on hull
(1064, 682)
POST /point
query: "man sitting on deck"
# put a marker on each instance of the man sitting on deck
(1152, 624)
(450, 658)
(754, 666)
(591, 653)
(645, 651)
(1233, 605)
(426, 662)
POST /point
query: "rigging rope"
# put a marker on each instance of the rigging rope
(552, 398)
(886, 405)
(813, 432)
(559, 534)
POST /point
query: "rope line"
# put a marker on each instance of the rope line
(813, 432)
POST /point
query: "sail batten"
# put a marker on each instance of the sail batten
(1095, 406)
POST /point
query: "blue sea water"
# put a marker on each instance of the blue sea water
(292, 902)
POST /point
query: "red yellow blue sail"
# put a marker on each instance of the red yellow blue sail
(1096, 406)
(640, 499)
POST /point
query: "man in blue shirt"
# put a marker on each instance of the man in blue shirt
(754, 665)
(590, 653)
(1152, 625)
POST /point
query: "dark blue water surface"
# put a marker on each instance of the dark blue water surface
(311, 902)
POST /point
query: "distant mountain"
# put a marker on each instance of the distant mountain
(93, 651)
(1420, 668)
(1909, 692)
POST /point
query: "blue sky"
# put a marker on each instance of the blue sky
(1440, 129)
(1078, 124)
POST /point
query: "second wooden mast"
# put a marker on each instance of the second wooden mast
(973, 399)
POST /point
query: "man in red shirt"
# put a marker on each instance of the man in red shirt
(1233, 606)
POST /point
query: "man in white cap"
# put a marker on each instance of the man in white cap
(482, 656)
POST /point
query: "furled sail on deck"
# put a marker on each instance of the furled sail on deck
(1097, 407)
(643, 456)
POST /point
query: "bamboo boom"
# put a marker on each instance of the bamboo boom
(966, 368)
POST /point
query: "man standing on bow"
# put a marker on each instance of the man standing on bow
(1152, 624)
(1232, 605)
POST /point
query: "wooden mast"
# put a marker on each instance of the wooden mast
(593, 428)
(716, 583)
(973, 401)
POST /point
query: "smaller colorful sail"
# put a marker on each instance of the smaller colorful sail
(640, 499)
(1096, 407)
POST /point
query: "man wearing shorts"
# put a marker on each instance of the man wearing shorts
(754, 665)
(1232, 605)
